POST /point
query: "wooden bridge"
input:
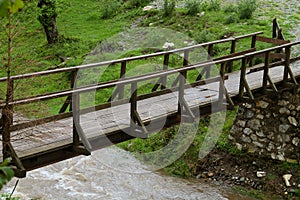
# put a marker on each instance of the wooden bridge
(196, 88)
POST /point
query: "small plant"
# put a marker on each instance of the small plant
(109, 8)
(169, 7)
(193, 7)
(203, 36)
(245, 8)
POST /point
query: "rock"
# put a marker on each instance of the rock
(210, 174)
(260, 134)
(242, 179)
(273, 156)
(262, 104)
(254, 124)
(293, 121)
(260, 116)
(253, 137)
(147, 8)
(230, 137)
(291, 161)
(270, 147)
(247, 105)
(249, 114)
(239, 146)
(252, 149)
(201, 14)
(292, 107)
(258, 144)
(281, 157)
(286, 138)
(241, 123)
(284, 110)
(298, 108)
(286, 179)
(283, 102)
(283, 128)
(296, 141)
(247, 131)
(246, 139)
(168, 45)
(261, 174)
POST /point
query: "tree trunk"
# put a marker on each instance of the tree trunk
(47, 17)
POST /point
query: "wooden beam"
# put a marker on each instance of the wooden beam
(272, 40)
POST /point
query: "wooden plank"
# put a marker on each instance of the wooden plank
(272, 40)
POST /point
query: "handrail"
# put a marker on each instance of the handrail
(104, 63)
(145, 77)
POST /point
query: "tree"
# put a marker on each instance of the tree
(47, 17)
(7, 8)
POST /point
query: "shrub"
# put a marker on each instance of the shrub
(214, 5)
(109, 9)
(193, 7)
(233, 18)
(169, 7)
(230, 8)
(246, 8)
(136, 3)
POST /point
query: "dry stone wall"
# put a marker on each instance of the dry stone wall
(270, 127)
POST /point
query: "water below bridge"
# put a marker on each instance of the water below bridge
(111, 173)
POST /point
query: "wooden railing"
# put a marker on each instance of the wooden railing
(224, 65)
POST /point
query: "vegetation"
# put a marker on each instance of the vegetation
(81, 33)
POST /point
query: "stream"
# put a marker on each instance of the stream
(111, 173)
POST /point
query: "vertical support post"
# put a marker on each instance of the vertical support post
(286, 64)
(221, 85)
(274, 34)
(165, 67)
(232, 50)
(266, 72)
(182, 81)
(210, 55)
(133, 104)
(242, 78)
(253, 45)
(7, 117)
(75, 108)
(122, 76)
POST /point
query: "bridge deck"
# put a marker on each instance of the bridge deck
(58, 134)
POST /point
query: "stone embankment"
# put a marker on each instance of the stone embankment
(270, 127)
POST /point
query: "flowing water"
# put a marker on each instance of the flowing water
(112, 173)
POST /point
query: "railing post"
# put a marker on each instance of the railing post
(242, 78)
(274, 34)
(232, 50)
(286, 64)
(209, 57)
(222, 78)
(133, 105)
(253, 45)
(266, 72)
(182, 81)
(122, 76)
(165, 67)
(7, 117)
(75, 108)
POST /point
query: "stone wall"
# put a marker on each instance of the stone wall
(270, 127)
